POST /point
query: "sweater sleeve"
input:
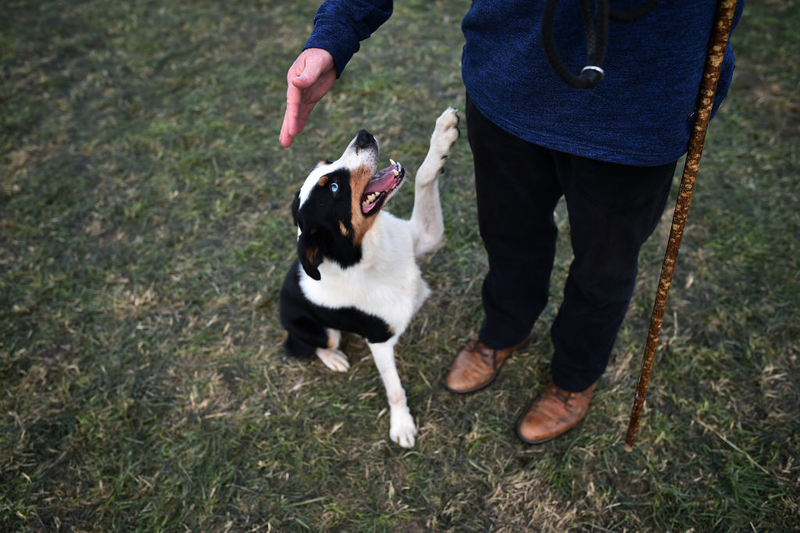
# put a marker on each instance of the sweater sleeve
(340, 25)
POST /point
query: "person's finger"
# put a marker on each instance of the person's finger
(298, 78)
(290, 127)
(285, 138)
(302, 118)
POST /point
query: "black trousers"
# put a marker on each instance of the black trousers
(612, 208)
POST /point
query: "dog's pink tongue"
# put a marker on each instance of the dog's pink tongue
(381, 181)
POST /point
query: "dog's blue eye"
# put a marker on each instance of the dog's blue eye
(334, 186)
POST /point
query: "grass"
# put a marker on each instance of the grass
(145, 230)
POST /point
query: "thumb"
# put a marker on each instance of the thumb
(313, 65)
(305, 80)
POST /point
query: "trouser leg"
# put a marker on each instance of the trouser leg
(613, 209)
(517, 192)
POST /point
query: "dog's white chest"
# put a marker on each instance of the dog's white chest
(386, 283)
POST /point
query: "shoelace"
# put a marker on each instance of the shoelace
(484, 351)
(563, 396)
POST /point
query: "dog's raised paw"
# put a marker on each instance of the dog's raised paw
(334, 359)
(402, 430)
(446, 131)
(448, 119)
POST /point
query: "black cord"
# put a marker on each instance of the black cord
(596, 38)
(634, 15)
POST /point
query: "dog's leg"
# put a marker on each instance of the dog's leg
(331, 356)
(426, 219)
(402, 429)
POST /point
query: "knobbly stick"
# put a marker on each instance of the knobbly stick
(708, 87)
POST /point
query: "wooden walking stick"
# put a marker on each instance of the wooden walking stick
(708, 87)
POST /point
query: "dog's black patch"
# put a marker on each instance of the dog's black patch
(324, 215)
(307, 322)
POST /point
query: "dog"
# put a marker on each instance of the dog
(356, 269)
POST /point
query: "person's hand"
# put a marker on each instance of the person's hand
(308, 79)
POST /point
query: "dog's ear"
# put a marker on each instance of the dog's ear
(309, 253)
(307, 243)
(295, 207)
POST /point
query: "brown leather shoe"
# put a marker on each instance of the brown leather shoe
(554, 412)
(476, 366)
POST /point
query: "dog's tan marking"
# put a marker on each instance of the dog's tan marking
(334, 337)
(312, 254)
(359, 178)
(343, 228)
(322, 181)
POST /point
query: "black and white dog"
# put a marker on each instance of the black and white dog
(356, 269)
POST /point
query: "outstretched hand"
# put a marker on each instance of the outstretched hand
(308, 79)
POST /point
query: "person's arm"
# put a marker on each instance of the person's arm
(339, 27)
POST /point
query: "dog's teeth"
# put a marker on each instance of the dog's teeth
(392, 161)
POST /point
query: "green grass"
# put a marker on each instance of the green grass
(145, 231)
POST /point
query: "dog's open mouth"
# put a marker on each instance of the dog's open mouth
(381, 186)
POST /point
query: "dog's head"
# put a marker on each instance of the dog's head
(337, 204)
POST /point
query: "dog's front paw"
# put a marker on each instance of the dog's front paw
(446, 131)
(334, 359)
(402, 430)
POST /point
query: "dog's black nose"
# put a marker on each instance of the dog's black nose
(364, 139)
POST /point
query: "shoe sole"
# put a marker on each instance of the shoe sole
(473, 389)
(542, 441)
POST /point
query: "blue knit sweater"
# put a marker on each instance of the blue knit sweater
(640, 114)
